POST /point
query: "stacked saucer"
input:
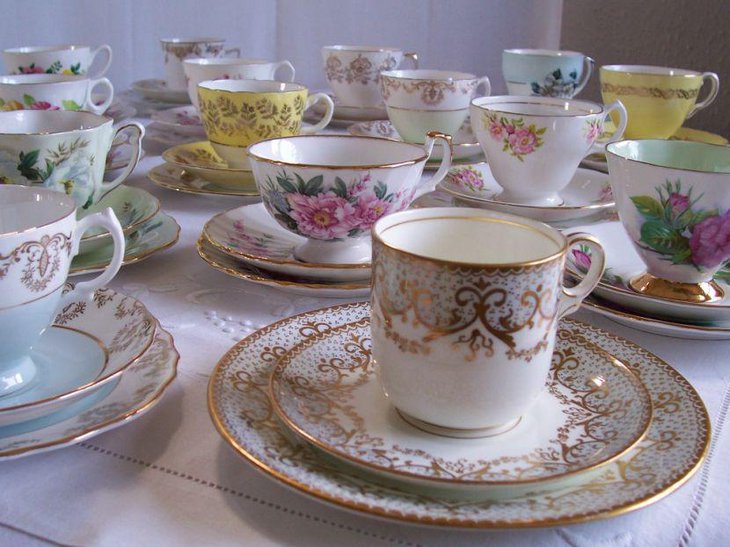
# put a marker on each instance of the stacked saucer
(147, 230)
(345, 116)
(614, 298)
(248, 243)
(101, 364)
(586, 450)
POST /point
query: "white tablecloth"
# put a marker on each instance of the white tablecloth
(169, 479)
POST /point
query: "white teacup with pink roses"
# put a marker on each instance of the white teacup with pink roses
(534, 144)
(331, 189)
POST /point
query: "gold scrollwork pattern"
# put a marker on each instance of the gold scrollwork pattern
(185, 50)
(432, 92)
(651, 92)
(360, 70)
(473, 308)
(40, 260)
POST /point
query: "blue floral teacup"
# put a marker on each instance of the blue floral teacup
(545, 72)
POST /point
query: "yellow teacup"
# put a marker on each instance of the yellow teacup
(657, 99)
(239, 113)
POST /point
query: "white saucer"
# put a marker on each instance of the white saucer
(237, 268)
(577, 424)
(588, 194)
(464, 144)
(157, 90)
(249, 234)
(623, 262)
(200, 159)
(183, 120)
(351, 113)
(178, 179)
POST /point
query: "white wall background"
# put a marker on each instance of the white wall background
(466, 35)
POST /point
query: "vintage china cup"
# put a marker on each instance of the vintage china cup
(53, 92)
(332, 188)
(178, 49)
(226, 68)
(658, 99)
(465, 308)
(39, 235)
(545, 72)
(63, 151)
(419, 101)
(534, 144)
(239, 113)
(63, 59)
(353, 72)
(673, 200)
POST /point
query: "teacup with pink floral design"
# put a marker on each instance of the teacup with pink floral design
(62, 59)
(534, 144)
(332, 188)
(54, 92)
(673, 200)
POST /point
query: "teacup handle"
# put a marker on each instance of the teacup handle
(236, 50)
(714, 88)
(106, 48)
(105, 219)
(100, 108)
(284, 64)
(588, 64)
(413, 57)
(486, 86)
(135, 142)
(445, 141)
(623, 118)
(330, 109)
(570, 298)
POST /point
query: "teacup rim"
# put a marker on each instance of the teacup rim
(457, 75)
(369, 49)
(483, 102)
(191, 40)
(297, 86)
(25, 50)
(544, 52)
(610, 150)
(67, 202)
(423, 157)
(650, 70)
(476, 215)
(43, 79)
(103, 120)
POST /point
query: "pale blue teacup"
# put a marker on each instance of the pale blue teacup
(545, 72)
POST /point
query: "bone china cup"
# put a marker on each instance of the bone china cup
(534, 144)
(419, 101)
(673, 200)
(63, 151)
(53, 92)
(465, 308)
(353, 72)
(64, 59)
(178, 49)
(239, 113)
(330, 189)
(226, 68)
(657, 99)
(39, 235)
(545, 72)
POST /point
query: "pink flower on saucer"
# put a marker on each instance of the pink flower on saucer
(467, 177)
(523, 141)
(710, 241)
(324, 216)
(43, 105)
(582, 260)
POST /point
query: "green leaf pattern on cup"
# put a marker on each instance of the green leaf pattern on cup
(519, 140)
(680, 231)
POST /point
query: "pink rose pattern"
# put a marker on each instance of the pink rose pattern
(518, 140)
(466, 177)
(593, 130)
(335, 213)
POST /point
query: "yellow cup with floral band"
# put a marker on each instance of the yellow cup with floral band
(239, 113)
(657, 99)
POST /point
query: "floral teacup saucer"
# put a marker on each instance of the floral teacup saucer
(587, 195)
(251, 235)
(184, 120)
(623, 263)
(175, 178)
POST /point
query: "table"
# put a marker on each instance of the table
(168, 478)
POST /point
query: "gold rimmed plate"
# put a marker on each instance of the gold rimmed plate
(200, 159)
(593, 411)
(179, 179)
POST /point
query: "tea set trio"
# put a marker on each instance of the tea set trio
(460, 394)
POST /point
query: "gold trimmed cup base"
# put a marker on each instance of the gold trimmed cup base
(475, 433)
(650, 285)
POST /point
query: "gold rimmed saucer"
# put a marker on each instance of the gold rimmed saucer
(201, 160)
(178, 179)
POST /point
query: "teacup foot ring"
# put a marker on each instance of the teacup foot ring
(650, 285)
(475, 433)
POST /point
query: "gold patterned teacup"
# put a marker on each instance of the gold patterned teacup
(465, 308)
(239, 113)
(658, 99)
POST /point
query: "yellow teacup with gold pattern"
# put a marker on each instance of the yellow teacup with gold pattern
(239, 113)
(657, 99)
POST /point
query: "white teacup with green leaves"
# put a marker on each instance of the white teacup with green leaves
(54, 92)
(64, 151)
